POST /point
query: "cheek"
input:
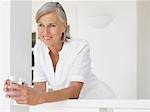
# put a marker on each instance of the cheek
(56, 33)
(59, 31)
(39, 33)
(59, 34)
(53, 31)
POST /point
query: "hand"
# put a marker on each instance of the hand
(23, 94)
(7, 86)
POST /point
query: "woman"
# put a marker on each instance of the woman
(63, 62)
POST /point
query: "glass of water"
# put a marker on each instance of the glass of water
(14, 79)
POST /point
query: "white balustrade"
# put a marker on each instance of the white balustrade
(94, 106)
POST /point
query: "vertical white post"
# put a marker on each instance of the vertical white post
(20, 44)
(143, 49)
(148, 48)
(4, 51)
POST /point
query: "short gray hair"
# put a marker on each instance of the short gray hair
(54, 7)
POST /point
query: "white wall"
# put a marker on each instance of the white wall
(4, 52)
(114, 47)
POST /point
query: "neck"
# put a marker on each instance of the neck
(56, 48)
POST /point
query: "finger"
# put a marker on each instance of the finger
(16, 86)
(7, 88)
(18, 98)
(7, 96)
(21, 102)
(6, 85)
(12, 93)
(7, 82)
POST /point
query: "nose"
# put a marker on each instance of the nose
(46, 32)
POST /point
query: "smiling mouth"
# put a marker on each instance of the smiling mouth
(47, 38)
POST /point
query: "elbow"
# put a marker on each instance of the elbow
(75, 93)
(75, 89)
(74, 97)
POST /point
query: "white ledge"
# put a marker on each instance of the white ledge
(107, 104)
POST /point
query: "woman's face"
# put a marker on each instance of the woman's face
(50, 29)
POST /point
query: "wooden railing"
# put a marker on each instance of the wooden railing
(94, 106)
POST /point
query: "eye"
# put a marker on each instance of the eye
(52, 25)
(40, 25)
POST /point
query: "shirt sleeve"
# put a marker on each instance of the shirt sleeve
(81, 64)
(39, 75)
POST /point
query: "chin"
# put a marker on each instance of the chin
(47, 42)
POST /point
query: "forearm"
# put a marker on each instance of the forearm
(40, 86)
(63, 94)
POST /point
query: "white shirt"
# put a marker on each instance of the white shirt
(74, 64)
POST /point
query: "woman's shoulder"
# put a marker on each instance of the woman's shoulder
(78, 42)
(77, 45)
